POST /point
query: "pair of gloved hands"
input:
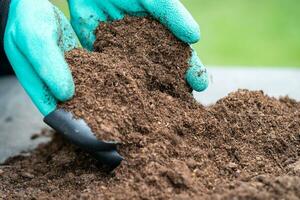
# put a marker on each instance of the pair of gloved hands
(37, 34)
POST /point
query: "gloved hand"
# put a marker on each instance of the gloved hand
(86, 15)
(36, 36)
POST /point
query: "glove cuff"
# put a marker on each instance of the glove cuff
(5, 68)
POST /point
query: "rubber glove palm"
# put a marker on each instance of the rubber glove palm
(36, 36)
(86, 15)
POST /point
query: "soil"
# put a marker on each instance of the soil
(124, 95)
(246, 146)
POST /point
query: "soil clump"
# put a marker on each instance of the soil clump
(132, 89)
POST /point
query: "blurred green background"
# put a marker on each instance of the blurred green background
(245, 32)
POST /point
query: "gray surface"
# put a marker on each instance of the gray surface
(274, 82)
(19, 119)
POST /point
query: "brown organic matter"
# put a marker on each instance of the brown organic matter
(132, 90)
(122, 87)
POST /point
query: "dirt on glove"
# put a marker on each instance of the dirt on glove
(132, 90)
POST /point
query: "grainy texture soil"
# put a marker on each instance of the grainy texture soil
(246, 146)
(122, 87)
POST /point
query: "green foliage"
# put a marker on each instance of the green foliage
(246, 32)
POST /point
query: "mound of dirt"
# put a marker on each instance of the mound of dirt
(121, 88)
(132, 89)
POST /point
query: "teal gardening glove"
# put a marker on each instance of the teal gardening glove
(36, 36)
(86, 15)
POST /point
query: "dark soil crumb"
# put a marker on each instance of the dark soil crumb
(246, 146)
(44, 133)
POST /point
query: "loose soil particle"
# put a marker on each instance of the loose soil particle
(132, 90)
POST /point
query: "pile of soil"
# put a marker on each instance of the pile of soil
(121, 88)
(132, 90)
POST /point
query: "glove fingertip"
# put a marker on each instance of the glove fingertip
(65, 91)
(192, 34)
(197, 78)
